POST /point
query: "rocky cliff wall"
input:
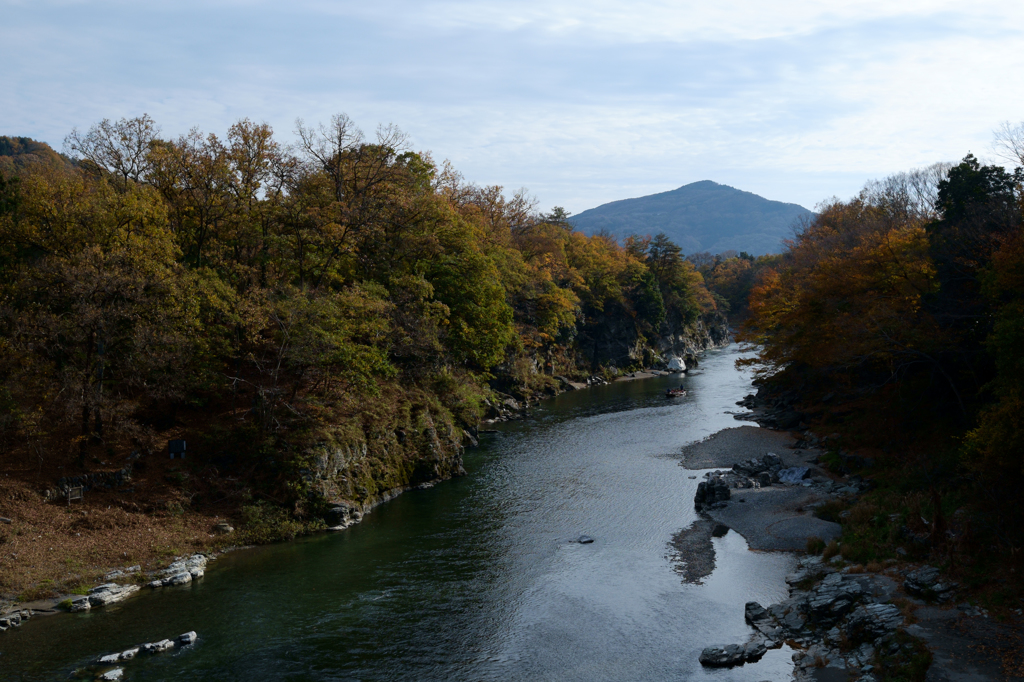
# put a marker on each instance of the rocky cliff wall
(413, 445)
(412, 441)
(708, 331)
(614, 342)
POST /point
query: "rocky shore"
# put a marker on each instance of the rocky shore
(767, 494)
(836, 620)
(117, 586)
(843, 622)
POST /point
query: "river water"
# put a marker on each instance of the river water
(476, 578)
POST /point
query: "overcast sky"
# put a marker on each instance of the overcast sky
(581, 102)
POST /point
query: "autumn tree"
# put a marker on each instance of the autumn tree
(120, 148)
(97, 311)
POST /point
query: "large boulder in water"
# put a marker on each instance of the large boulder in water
(732, 654)
(722, 656)
(676, 364)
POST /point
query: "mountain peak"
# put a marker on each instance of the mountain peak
(702, 184)
(700, 216)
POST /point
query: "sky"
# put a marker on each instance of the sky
(580, 102)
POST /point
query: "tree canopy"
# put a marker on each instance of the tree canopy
(279, 282)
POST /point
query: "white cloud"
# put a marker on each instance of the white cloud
(583, 102)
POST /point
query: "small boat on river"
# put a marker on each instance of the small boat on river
(675, 392)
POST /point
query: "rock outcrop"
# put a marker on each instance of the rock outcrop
(836, 619)
(928, 584)
(611, 340)
(182, 571)
(110, 593)
(732, 654)
(712, 493)
(757, 472)
(676, 364)
(14, 619)
(347, 477)
(687, 341)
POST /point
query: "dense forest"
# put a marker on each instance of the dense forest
(323, 320)
(329, 320)
(894, 323)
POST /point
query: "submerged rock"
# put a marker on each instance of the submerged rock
(158, 647)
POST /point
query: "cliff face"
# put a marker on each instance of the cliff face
(614, 341)
(709, 331)
(399, 447)
(404, 441)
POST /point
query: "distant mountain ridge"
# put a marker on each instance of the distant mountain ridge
(701, 216)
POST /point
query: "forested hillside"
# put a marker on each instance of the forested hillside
(17, 153)
(324, 322)
(895, 321)
(701, 216)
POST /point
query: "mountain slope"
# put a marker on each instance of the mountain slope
(701, 216)
(18, 152)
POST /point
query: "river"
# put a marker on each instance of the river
(476, 578)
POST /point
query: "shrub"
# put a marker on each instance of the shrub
(862, 514)
(815, 545)
(829, 511)
(910, 664)
(263, 523)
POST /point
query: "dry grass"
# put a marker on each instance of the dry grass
(907, 608)
(815, 545)
(51, 549)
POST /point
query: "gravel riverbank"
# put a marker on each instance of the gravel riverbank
(845, 623)
(774, 517)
